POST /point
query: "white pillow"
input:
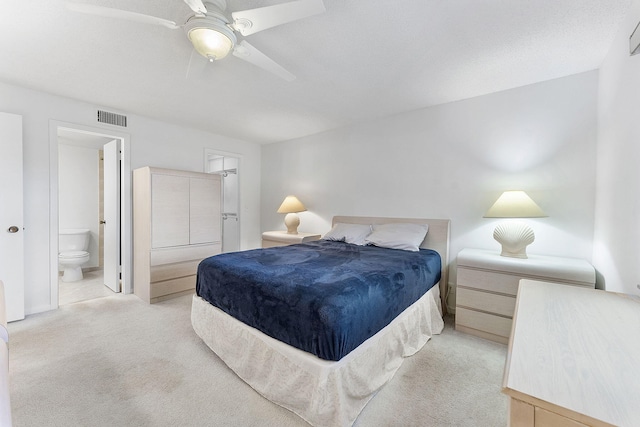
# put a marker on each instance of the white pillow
(349, 233)
(407, 237)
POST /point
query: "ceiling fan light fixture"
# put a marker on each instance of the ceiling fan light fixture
(211, 44)
(210, 37)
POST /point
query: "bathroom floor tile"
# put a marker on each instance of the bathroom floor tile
(90, 287)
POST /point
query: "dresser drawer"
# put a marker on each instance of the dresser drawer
(490, 323)
(172, 286)
(184, 253)
(488, 281)
(173, 271)
(485, 301)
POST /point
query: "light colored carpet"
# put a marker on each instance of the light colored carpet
(116, 361)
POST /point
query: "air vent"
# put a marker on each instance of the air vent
(112, 118)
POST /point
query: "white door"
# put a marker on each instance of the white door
(112, 215)
(11, 209)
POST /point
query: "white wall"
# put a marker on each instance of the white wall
(617, 223)
(453, 161)
(165, 145)
(79, 193)
(153, 143)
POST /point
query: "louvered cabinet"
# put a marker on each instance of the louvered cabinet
(176, 224)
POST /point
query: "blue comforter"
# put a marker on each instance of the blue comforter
(322, 297)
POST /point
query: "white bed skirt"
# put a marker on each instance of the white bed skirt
(324, 393)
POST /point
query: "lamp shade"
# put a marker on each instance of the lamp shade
(514, 204)
(291, 204)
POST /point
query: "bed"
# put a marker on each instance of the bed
(332, 386)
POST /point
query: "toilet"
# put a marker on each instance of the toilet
(72, 246)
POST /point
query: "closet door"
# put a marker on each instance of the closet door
(11, 215)
(205, 207)
(169, 211)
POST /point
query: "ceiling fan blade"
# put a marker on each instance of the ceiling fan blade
(247, 52)
(120, 14)
(197, 6)
(251, 21)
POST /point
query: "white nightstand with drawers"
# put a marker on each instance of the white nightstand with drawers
(487, 286)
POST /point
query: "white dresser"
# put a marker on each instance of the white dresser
(574, 358)
(487, 285)
(176, 224)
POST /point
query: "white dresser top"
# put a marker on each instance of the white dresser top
(570, 270)
(578, 349)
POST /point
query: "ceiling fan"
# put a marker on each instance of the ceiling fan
(213, 34)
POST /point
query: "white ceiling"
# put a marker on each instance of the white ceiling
(361, 60)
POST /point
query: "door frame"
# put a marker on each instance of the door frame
(125, 203)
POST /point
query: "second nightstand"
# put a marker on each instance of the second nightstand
(282, 238)
(487, 286)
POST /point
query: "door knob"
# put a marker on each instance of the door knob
(13, 229)
(103, 222)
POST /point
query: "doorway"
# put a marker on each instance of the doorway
(89, 190)
(227, 165)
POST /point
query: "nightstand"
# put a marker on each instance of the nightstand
(487, 286)
(282, 238)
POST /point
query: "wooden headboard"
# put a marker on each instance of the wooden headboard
(437, 239)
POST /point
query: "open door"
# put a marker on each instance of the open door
(112, 215)
(11, 215)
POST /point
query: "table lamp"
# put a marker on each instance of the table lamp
(514, 236)
(291, 206)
